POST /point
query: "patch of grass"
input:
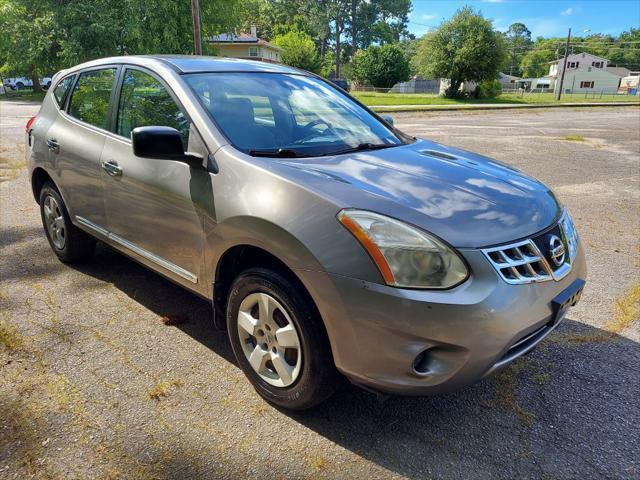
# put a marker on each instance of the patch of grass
(627, 312)
(9, 337)
(23, 95)
(162, 389)
(61, 392)
(541, 378)
(504, 392)
(378, 98)
(573, 138)
(11, 161)
(319, 462)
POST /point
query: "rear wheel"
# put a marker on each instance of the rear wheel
(279, 340)
(68, 242)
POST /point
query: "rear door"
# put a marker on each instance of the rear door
(75, 141)
(152, 206)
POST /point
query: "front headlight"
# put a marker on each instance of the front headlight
(570, 234)
(406, 256)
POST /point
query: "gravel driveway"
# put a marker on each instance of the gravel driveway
(93, 384)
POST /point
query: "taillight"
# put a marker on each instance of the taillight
(29, 123)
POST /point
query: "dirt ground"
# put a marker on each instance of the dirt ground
(93, 384)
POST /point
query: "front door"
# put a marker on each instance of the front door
(152, 208)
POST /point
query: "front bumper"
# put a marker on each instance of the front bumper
(418, 342)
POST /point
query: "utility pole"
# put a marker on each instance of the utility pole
(195, 16)
(566, 54)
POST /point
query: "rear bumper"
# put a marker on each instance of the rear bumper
(415, 342)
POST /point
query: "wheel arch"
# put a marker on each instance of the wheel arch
(39, 177)
(240, 257)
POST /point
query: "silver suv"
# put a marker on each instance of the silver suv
(330, 244)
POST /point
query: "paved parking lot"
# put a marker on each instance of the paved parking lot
(94, 385)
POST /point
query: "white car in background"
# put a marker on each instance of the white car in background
(18, 83)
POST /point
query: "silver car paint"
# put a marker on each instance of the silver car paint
(180, 221)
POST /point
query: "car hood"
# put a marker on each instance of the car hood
(464, 198)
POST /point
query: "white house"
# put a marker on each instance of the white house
(584, 73)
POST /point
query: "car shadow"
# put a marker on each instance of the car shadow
(187, 311)
(569, 409)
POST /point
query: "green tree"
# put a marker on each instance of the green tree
(299, 51)
(382, 66)
(536, 63)
(465, 48)
(46, 35)
(28, 45)
(377, 21)
(518, 42)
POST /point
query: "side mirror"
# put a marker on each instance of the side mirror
(163, 143)
(388, 119)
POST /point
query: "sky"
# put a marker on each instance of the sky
(546, 18)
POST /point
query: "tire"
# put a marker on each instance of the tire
(19, 86)
(69, 243)
(312, 378)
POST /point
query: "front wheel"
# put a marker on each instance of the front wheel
(279, 340)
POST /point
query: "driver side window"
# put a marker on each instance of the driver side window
(144, 101)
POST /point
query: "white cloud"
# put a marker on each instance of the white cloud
(567, 12)
(429, 16)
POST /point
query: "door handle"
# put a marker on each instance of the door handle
(112, 168)
(53, 145)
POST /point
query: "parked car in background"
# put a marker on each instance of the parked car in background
(18, 83)
(328, 241)
(343, 84)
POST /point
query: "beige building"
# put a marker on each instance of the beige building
(245, 45)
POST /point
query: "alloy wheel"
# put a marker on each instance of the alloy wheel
(55, 222)
(269, 339)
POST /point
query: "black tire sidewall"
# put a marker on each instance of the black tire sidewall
(313, 384)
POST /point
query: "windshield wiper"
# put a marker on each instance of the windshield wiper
(364, 146)
(277, 152)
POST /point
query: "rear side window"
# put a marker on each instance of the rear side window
(62, 88)
(90, 97)
(144, 101)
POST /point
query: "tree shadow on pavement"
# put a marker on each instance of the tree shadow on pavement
(568, 410)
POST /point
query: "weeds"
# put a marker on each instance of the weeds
(319, 463)
(504, 392)
(162, 389)
(573, 138)
(10, 337)
(627, 310)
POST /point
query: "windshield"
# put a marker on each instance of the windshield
(275, 114)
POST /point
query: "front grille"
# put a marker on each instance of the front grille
(519, 262)
(530, 260)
